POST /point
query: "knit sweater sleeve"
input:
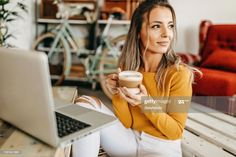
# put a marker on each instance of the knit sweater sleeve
(122, 111)
(172, 124)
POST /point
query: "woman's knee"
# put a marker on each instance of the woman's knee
(90, 101)
(93, 103)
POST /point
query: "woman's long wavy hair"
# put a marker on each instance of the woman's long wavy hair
(132, 57)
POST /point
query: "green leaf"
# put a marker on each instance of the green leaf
(22, 6)
(12, 14)
(4, 2)
(10, 19)
(8, 36)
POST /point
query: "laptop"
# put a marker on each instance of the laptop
(26, 101)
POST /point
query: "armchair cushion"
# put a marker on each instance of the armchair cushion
(215, 83)
(219, 36)
(221, 59)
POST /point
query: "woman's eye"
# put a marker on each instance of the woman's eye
(171, 26)
(156, 26)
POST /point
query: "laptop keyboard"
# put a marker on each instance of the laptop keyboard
(67, 125)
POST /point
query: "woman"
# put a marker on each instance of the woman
(148, 49)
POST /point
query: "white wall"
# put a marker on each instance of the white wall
(22, 28)
(189, 14)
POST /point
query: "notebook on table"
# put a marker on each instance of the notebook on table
(26, 101)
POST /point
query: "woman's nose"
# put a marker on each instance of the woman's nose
(164, 32)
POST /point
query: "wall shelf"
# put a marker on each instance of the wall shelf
(58, 21)
(115, 22)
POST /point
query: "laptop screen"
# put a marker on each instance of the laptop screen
(26, 99)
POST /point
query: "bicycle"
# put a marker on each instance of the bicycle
(59, 44)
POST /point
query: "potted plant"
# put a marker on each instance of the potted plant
(9, 11)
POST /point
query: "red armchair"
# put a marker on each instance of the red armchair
(218, 65)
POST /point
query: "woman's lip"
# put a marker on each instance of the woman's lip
(164, 43)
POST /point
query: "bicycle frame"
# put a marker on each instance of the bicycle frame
(62, 32)
(65, 33)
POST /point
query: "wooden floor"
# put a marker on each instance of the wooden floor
(209, 133)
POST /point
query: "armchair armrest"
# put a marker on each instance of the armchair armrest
(190, 59)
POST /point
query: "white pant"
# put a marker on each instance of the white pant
(119, 141)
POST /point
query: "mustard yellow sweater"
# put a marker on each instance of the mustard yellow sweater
(160, 124)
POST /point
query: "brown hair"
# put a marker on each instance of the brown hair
(132, 58)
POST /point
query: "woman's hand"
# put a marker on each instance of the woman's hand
(112, 82)
(133, 99)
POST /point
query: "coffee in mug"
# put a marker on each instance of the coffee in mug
(131, 80)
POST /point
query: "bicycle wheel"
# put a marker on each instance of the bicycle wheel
(57, 60)
(109, 62)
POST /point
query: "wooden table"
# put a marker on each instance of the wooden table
(15, 143)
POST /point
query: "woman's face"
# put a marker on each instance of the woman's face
(159, 30)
